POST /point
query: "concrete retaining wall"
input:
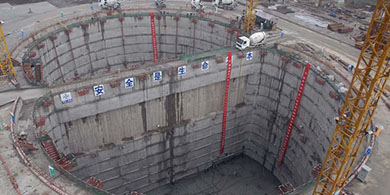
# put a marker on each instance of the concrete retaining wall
(102, 44)
(159, 132)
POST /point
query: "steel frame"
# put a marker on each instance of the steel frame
(6, 66)
(250, 17)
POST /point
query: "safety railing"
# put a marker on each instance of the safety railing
(46, 179)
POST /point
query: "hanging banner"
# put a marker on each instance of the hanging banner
(294, 114)
(228, 74)
(154, 42)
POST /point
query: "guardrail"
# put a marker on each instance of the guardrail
(66, 173)
(46, 179)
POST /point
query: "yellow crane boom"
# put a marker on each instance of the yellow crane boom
(6, 66)
(369, 79)
(250, 15)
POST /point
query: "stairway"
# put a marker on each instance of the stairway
(52, 152)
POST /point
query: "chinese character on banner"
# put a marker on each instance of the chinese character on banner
(99, 90)
(249, 56)
(66, 98)
(157, 76)
(129, 82)
(205, 65)
(181, 71)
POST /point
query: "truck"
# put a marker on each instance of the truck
(160, 4)
(197, 5)
(254, 40)
(110, 4)
(225, 4)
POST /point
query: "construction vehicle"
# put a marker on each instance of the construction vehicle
(110, 4)
(254, 40)
(365, 90)
(160, 4)
(197, 5)
(359, 44)
(225, 4)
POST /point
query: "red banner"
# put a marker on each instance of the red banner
(154, 42)
(294, 114)
(228, 73)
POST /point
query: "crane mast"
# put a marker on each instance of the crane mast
(250, 15)
(366, 87)
(6, 66)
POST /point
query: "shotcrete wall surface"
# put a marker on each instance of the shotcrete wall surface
(157, 132)
(98, 45)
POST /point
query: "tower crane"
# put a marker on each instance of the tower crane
(250, 15)
(6, 66)
(367, 84)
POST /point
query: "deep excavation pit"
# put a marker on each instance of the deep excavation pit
(156, 133)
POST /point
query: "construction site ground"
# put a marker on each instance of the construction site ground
(33, 16)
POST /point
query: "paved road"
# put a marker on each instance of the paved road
(318, 39)
(9, 96)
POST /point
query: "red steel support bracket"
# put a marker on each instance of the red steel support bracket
(155, 56)
(228, 73)
(294, 114)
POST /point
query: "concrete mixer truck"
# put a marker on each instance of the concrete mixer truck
(197, 5)
(109, 4)
(254, 40)
(225, 4)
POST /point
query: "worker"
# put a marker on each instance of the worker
(22, 136)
